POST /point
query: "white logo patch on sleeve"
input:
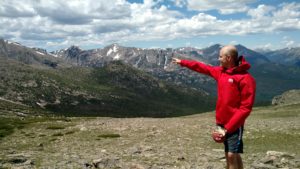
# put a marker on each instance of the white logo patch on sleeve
(230, 80)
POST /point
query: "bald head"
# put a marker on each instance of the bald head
(228, 56)
(231, 51)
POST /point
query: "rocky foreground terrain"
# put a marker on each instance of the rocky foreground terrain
(272, 137)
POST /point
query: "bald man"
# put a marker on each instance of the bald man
(236, 94)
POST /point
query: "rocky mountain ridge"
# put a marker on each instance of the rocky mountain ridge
(32, 56)
(147, 59)
(157, 62)
(286, 56)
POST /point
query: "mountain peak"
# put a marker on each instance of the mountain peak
(214, 47)
(74, 47)
(74, 50)
(240, 46)
(113, 45)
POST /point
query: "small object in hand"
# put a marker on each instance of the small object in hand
(219, 134)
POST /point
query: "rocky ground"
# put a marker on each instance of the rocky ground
(271, 137)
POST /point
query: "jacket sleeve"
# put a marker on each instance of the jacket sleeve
(247, 88)
(201, 68)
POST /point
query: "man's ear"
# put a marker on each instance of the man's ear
(228, 58)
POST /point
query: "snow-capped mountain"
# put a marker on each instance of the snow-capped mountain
(157, 62)
(148, 59)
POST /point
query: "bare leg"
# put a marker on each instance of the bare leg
(240, 162)
(227, 164)
(234, 161)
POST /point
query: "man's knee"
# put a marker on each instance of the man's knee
(232, 157)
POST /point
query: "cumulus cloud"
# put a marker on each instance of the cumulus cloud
(110, 26)
(82, 12)
(270, 19)
(55, 22)
(266, 46)
(288, 42)
(201, 24)
(287, 18)
(14, 9)
(223, 6)
(180, 3)
(261, 11)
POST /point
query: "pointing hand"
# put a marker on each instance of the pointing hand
(175, 60)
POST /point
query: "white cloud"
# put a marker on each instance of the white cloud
(261, 11)
(82, 12)
(288, 42)
(288, 10)
(55, 23)
(180, 3)
(233, 42)
(223, 6)
(267, 46)
(287, 18)
(14, 9)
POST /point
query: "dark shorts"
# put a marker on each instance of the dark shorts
(234, 141)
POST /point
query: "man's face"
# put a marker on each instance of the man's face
(224, 60)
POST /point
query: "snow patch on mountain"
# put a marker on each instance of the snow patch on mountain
(117, 57)
(115, 48)
(39, 53)
(166, 60)
(136, 64)
(109, 52)
(112, 50)
(14, 43)
(53, 55)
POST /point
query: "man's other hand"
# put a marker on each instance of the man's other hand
(218, 137)
(219, 134)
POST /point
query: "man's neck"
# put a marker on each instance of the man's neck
(230, 66)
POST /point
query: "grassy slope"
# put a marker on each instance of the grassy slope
(115, 90)
(274, 128)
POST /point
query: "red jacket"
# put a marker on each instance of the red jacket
(236, 91)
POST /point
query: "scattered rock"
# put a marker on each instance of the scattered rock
(106, 163)
(17, 160)
(139, 149)
(29, 162)
(136, 166)
(275, 159)
(87, 165)
(181, 158)
(262, 166)
(42, 103)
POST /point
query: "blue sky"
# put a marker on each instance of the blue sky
(55, 24)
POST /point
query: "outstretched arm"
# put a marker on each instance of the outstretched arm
(199, 67)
